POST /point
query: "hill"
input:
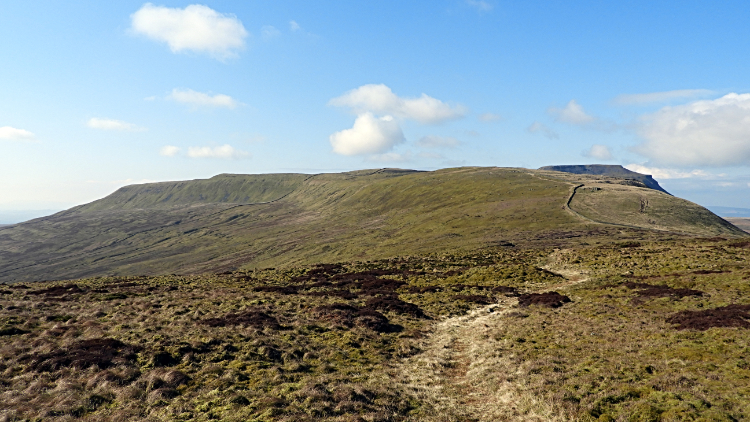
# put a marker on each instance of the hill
(232, 222)
(608, 170)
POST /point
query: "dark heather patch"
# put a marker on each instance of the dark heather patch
(726, 316)
(285, 290)
(11, 331)
(342, 293)
(164, 359)
(703, 272)
(480, 299)
(56, 291)
(348, 316)
(744, 245)
(101, 352)
(548, 299)
(175, 379)
(253, 318)
(394, 304)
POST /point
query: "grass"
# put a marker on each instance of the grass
(406, 338)
(233, 222)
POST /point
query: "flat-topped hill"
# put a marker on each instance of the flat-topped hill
(278, 220)
(608, 170)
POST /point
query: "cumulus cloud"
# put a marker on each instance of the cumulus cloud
(379, 99)
(224, 151)
(195, 28)
(572, 113)
(708, 132)
(490, 117)
(269, 32)
(432, 141)
(369, 135)
(480, 5)
(660, 97)
(169, 151)
(669, 173)
(600, 152)
(195, 98)
(13, 134)
(111, 124)
(542, 129)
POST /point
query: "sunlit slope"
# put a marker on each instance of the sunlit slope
(224, 188)
(647, 208)
(246, 221)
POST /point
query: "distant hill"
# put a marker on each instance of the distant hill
(608, 170)
(279, 220)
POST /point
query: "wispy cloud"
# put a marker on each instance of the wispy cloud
(669, 173)
(195, 28)
(294, 26)
(480, 5)
(169, 151)
(224, 152)
(111, 124)
(490, 117)
(600, 152)
(13, 134)
(572, 113)
(432, 141)
(661, 97)
(200, 99)
(269, 32)
(542, 129)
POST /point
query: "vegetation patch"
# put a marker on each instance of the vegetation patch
(548, 299)
(99, 352)
(725, 316)
(251, 317)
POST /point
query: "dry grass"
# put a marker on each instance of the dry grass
(397, 339)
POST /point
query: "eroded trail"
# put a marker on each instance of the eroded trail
(465, 374)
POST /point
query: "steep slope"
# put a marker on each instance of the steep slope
(608, 170)
(247, 221)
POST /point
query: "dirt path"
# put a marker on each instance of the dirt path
(460, 374)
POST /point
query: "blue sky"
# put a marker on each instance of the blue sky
(97, 95)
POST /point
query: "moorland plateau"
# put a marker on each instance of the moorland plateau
(469, 294)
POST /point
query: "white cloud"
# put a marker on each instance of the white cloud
(195, 28)
(660, 97)
(540, 128)
(224, 151)
(269, 32)
(369, 135)
(572, 113)
(600, 152)
(709, 132)
(13, 134)
(169, 151)
(188, 96)
(379, 99)
(480, 5)
(668, 173)
(294, 26)
(111, 124)
(432, 141)
(490, 117)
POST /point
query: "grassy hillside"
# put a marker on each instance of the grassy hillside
(631, 331)
(250, 221)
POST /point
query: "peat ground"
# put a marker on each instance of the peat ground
(639, 331)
